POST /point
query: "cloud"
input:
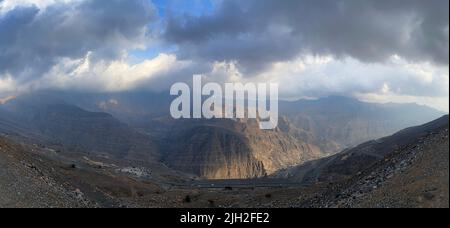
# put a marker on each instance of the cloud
(36, 35)
(256, 33)
(376, 50)
(7, 5)
(313, 77)
(156, 74)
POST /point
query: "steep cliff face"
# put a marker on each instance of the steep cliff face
(226, 149)
(278, 150)
(214, 153)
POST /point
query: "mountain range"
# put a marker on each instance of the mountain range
(137, 127)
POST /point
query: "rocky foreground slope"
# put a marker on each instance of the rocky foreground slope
(36, 176)
(413, 178)
(23, 184)
(413, 175)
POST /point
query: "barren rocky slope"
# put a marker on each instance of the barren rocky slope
(414, 177)
(23, 184)
(225, 149)
(349, 162)
(214, 153)
(421, 178)
(78, 129)
(308, 130)
(34, 175)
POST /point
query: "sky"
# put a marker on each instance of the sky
(373, 50)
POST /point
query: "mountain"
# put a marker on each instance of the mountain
(78, 129)
(214, 153)
(227, 149)
(308, 129)
(336, 123)
(217, 149)
(358, 159)
(413, 173)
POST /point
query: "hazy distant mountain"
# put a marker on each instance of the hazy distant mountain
(336, 123)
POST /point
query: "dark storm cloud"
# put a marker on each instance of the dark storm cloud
(257, 32)
(32, 40)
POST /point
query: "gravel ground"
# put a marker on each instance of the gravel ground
(24, 185)
(423, 183)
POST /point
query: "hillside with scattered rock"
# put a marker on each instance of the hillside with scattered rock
(23, 182)
(412, 176)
